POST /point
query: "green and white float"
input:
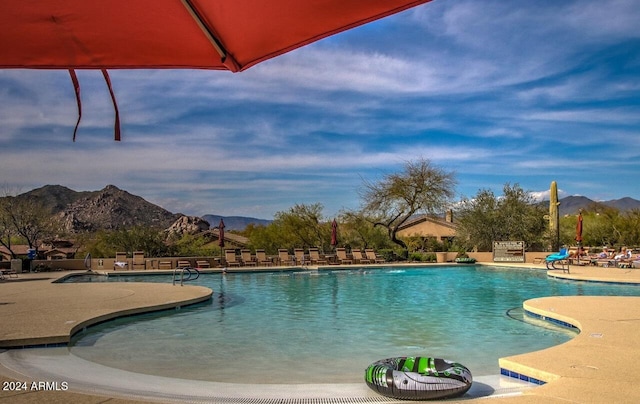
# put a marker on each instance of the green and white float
(418, 378)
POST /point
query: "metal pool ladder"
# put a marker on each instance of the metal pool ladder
(190, 275)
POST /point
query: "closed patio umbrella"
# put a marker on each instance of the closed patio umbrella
(579, 235)
(221, 235)
(334, 233)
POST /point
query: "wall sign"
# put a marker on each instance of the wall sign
(508, 251)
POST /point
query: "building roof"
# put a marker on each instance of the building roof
(426, 218)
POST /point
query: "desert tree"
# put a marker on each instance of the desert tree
(486, 218)
(420, 187)
(27, 220)
(7, 231)
(357, 231)
(303, 226)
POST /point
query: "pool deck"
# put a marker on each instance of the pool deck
(598, 365)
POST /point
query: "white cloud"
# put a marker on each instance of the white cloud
(588, 115)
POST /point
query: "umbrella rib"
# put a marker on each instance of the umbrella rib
(76, 87)
(116, 126)
(225, 57)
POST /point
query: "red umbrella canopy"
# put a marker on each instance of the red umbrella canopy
(209, 34)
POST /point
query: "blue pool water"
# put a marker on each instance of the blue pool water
(328, 326)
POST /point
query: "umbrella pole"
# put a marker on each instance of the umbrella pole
(579, 235)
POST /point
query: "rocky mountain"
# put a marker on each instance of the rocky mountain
(56, 198)
(110, 208)
(113, 208)
(188, 225)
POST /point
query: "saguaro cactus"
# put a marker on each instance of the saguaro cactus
(554, 217)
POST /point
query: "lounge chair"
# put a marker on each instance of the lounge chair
(8, 273)
(373, 257)
(247, 259)
(341, 256)
(602, 259)
(284, 258)
(314, 257)
(138, 260)
(121, 261)
(561, 257)
(626, 259)
(262, 259)
(578, 256)
(358, 257)
(165, 264)
(231, 259)
(298, 253)
(203, 264)
(184, 264)
(608, 259)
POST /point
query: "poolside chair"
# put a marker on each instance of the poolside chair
(341, 256)
(231, 259)
(314, 257)
(247, 259)
(184, 264)
(625, 259)
(203, 264)
(262, 259)
(579, 256)
(373, 257)
(284, 258)
(559, 257)
(138, 260)
(358, 257)
(165, 264)
(8, 273)
(121, 261)
(298, 253)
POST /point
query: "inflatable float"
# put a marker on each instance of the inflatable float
(418, 378)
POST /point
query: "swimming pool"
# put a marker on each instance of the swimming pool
(328, 326)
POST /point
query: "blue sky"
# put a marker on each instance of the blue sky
(496, 91)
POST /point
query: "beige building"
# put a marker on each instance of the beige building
(442, 229)
(59, 249)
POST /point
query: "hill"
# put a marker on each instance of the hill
(624, 204)
(108, 209)
(56, 198)
(112, 208)
(571, 205)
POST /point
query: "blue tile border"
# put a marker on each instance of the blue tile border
(560, 277)
(43, 345)
(519, 376)
(551, 320)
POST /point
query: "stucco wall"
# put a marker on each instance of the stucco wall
(428, 229)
